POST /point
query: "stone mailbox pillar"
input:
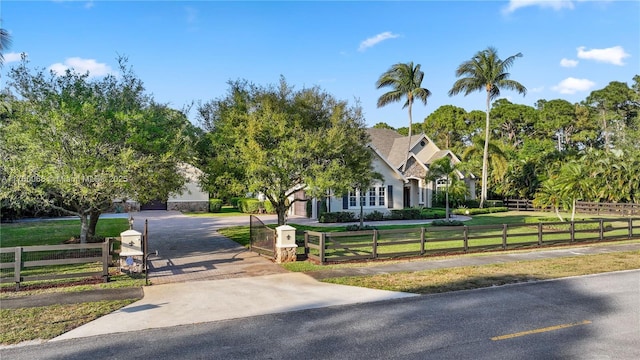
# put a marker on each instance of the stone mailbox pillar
(285, 244)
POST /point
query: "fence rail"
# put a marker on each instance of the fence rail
(583, 207)
(19, 264)
(327, 247)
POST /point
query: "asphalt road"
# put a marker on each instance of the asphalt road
(591, 317)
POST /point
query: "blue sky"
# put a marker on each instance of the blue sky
(186, 51)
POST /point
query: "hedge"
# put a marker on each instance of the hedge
(337, 217)
(215, 205)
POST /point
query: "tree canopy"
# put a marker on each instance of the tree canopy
(75, 144)
(284, 140)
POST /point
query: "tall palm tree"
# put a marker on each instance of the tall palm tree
(405, 80)
(486, 71)
(5, 43)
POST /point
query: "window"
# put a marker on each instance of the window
(352, 198)
(381, 196)
(372, 196)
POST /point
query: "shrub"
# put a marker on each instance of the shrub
(356, 227)
(405, 214)
(337, 217)
(215, 205)
(249, 206)
(432, 214)
(374, 216)
(268, 207)
(234, 201)
(447, 223)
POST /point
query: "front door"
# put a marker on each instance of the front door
(407, 197)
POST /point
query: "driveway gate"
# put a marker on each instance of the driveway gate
(263, 238)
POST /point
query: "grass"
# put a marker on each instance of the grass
(472, 277)
(47, 322)
(54, 232)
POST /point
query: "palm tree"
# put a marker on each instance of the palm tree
(486, 71)
(442, 167)
(405, 81)
(5, 43)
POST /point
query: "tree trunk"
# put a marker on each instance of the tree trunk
(84, 228)
(281, 210)
(94, 215)
(404, 166)
(558, 213)
(485, 156)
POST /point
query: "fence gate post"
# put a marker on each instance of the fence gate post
(322, 244)
(422, 238)
(572, 231)
(504, 236)
(466, 238)
(17, 265)
(105, 260)
(539, 234)
(601, 235)
(306, 244)
(374, 252)
(630, 228)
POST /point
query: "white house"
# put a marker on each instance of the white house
(398, 189)
(192, 198)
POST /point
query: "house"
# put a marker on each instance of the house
(398, 189)
(193, 198)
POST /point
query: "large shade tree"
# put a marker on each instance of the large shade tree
(405, 81)
(486, 71)
(285, 140)
(74, 143)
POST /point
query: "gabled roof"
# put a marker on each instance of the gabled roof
(392, 148)
(392, 145)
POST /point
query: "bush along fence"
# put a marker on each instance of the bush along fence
(34, 263)
(332, 247)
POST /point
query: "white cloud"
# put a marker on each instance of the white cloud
(572, 85)
(612, 55)
(372, 41)
(82, 66)
(537, 89)
(553, 4)
(12, 57)
(568, 63)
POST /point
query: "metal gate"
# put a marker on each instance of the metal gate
(262, 238)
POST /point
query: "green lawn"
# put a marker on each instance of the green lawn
(54, 232)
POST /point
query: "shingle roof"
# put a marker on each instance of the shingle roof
(391, 145)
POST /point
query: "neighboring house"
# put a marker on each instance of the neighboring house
(398, 189)
(193, 198)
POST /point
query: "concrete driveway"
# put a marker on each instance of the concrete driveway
(189, 248)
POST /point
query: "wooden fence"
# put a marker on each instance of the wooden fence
(582, 207)
(324, 247)
(21, 260)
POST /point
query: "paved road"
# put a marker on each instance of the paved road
(590, 317)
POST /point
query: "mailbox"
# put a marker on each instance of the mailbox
(131, 250)
(131, 243)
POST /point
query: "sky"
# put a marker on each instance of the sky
(187, 51)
